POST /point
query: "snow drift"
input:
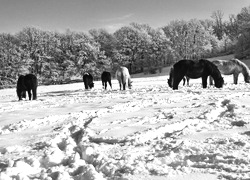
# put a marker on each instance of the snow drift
(148, 132)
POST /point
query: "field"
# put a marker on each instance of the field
(149, 132)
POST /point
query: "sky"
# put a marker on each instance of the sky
(84, 15)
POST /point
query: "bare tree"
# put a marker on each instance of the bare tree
(218, 24)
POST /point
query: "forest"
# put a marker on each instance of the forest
(56, 57)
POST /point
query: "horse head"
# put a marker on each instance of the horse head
(91, 85)
(246, 77)
(170, 83)
(247, 80)
(219, 82)
(215, 73)
(170, 80)
(129, 83)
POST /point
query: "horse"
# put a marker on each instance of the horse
(123, 77)
(196, 69)
(106, 78)
(88, 81)
(27, 83)
(233, 67)
(170, 80)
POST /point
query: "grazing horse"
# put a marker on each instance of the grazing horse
(196, 69)
(27, 83)
(88, 81)
(233, 66)
(123, 77)
(170, 80)
(106, 78)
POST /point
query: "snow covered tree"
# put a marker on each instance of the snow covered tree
(243, 44)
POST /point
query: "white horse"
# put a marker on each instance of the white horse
(234, 67)
(123, 76)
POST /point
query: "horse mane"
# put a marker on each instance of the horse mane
(245, 69)
(171, 71)
(215, 73)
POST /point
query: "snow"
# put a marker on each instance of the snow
(149, 132)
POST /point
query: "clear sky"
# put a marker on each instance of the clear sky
(83, 15)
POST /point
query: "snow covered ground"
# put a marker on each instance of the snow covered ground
(149, 132)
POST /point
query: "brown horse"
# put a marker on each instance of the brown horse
(123, 77)
(106, 78)
(233, 66)
(27, 83)
(196, 69)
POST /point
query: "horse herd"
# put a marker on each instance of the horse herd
(29, 82)
(183, 69)
(122, 75)
(191, 69)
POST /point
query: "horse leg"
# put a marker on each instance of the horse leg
(124, 86)
(34, 93)
(23, 95)
(184, 80)
(211, 80)
(176, 82)
(187, 80)
(20, 95)
(105, 85)
(236, 75)
(86, 85)
(204, 81)
(110, 84)
(29, 93)
(120, 85)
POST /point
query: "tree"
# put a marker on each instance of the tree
(189, 39)
(107, 44)
(243, 44)
(218, 24)
(10, 54)
(131, 44)
(31, 45)
(232, 28)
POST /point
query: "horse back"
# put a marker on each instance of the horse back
(30, 81)
(188, 68)
(122, 74)
(106, 76)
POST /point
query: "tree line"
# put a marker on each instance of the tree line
(60, 57)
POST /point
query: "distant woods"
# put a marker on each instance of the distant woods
(60, 57)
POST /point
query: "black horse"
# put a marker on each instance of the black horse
(106, 78)
(170, 80)
(196, 69)
(27, 83)
(88, 81)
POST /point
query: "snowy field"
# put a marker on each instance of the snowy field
(149, 132)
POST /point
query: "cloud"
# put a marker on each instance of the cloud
(124, 17)
(111, 28)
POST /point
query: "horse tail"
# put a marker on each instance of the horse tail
(119, 76)
(123, 78)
